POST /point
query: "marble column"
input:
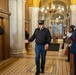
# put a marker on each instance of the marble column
(73, 14)
(33, 16)
(17, 28)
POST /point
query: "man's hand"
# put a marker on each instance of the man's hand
(46, 46)
(26, 41)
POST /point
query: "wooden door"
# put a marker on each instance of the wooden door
(1, 42)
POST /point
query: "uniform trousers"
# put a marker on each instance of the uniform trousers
(40, 53)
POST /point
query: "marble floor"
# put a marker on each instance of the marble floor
(55, 64)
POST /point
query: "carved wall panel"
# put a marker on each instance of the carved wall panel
(4, 23)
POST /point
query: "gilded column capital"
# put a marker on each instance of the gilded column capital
(73, 7)
(73, 14)
(23, 1)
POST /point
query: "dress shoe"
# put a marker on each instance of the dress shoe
(37, 73)
(42, 71)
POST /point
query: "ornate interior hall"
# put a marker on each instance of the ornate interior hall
(18, 16)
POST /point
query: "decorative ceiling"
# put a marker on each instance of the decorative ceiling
(53, 14)
(62, 2)
(44, 3)
(48, 1)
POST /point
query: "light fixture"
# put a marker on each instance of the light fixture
(47, 7)
(59, 16)
(54, 8)
(62, 9)
(59, 7)
(42, 9)
(45, 11)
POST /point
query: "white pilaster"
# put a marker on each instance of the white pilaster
(73, 14)
(17, 29)
(33, 16)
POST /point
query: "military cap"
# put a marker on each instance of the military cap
(72, 26)
(40, 22)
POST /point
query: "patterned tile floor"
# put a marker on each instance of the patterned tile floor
(55, 64)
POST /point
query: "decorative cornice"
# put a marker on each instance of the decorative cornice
(73, 7)
(5, 12)
(23, 1)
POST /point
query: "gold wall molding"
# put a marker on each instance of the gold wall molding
(65, 1)
(34, 3)
(73, 2)
(30, 2)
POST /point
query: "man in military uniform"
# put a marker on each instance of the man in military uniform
(42, 38)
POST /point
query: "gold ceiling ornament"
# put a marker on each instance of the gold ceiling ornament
(53, 9)
(65, 2)
(34, 3)
(56, 8)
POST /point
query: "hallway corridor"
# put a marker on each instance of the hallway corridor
(55, 64)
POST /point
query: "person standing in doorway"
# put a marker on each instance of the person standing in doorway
(26, 37)
(42, 38)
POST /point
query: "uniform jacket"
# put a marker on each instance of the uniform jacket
(73, 46)
(41, 37)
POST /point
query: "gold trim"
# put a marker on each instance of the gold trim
(31, 2)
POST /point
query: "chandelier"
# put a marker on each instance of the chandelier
(54, 8)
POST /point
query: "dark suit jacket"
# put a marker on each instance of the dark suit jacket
(26, 35)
